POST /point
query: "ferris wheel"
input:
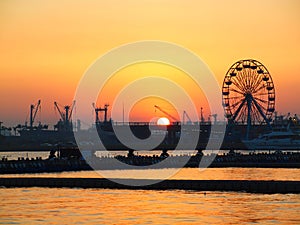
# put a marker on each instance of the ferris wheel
(248, 93)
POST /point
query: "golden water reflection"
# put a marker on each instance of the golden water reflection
(105, 206)
(184, 173)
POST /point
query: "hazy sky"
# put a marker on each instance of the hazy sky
(46, 46)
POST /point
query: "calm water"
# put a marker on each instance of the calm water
(105, 206)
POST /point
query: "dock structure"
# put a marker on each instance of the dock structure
(250, 186)
(64, 161)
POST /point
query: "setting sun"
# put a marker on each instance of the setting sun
(163, 121)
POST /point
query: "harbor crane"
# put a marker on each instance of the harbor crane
(215, 117)
(187, 116)
(65, 116)
(163, 111)
(33, 111)
(99, 109)
(201, 115)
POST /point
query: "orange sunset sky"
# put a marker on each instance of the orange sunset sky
(46, 46)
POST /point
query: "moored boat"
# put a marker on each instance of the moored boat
(275, 140)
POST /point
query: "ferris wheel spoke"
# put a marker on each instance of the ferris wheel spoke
(255, 80)
(258, 84)
(239, 116)
(258, 105)
(234, 105)
(240, 87)
(243, 114)
(249, 78)
(259, 88)
(261, 100)
(260, 111)
(236, 97)
(261, 94)
(256, 116)
(239, 109)
(243, 80)
(237, 91)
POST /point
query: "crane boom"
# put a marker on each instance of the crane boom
(186, 115)
(72, 107)
(163, 111)
(33, 113)
(60, 112)
(36, 110)
(68, 111)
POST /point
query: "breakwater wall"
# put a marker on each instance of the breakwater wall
(60, 165)
(266, 187)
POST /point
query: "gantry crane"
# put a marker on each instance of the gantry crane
(99, 109)
(168, 114)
